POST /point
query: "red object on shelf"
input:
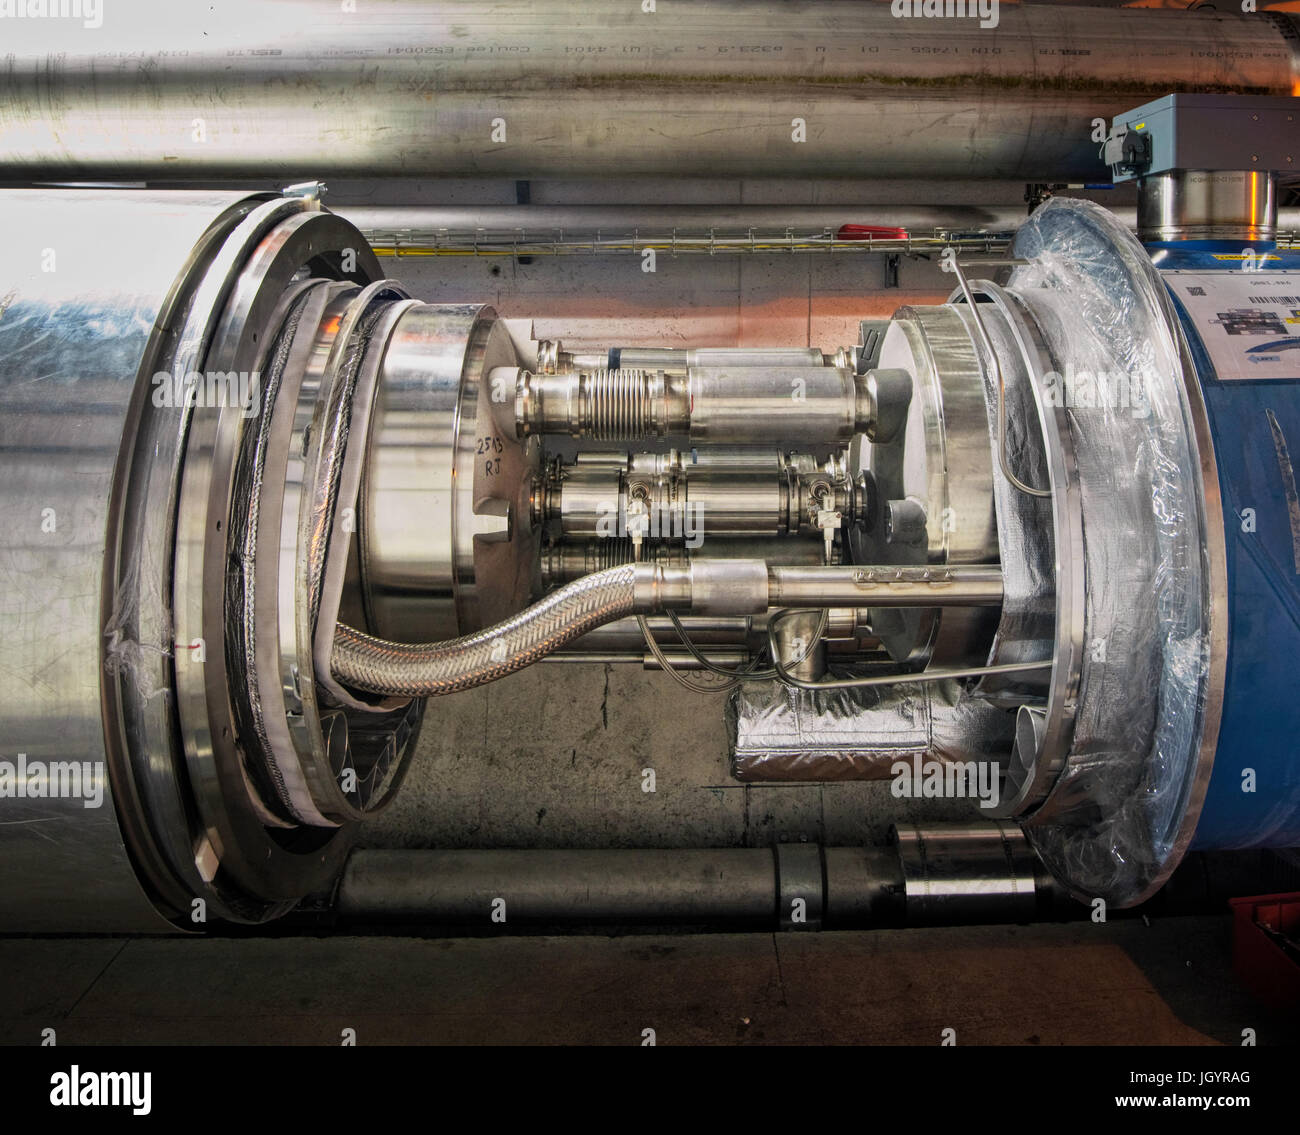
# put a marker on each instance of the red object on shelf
(1263, 964)
(870, 232)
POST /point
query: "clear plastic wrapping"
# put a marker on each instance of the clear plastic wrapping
(1026, 623)
(1111, 826)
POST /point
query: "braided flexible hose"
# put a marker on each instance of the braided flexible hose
(423, 670)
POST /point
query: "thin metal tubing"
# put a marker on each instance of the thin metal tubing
(938, 675)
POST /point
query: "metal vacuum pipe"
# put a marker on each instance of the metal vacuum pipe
(785, 404)
(718, 88)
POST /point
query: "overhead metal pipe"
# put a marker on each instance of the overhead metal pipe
(521, 89)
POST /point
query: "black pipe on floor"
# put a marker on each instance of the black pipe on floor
(936, 875)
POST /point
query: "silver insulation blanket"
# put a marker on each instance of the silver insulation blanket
(783, 733)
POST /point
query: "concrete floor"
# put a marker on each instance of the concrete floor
(553, 757)
(1127, 982)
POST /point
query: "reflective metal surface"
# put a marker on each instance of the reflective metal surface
(520, 89)
(940, 467)
(1120, 812)
(1199, 204)
(240, 853)
(954, 873)
(152, 631)
(81, 294)
(790, 405)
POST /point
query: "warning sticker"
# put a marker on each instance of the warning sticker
(1249, 321)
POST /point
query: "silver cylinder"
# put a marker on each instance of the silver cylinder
(801, 654)
(790, 586)
(601, 404)
(680, 360)
(437, 452)
(786, 405)
(965, 872)
(521, 89)
(595, 499)
(1199, 204)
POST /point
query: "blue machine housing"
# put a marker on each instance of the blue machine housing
(1254, 793)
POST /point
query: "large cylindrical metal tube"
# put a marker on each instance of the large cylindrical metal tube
(521, 89)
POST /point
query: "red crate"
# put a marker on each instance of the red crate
(1261, 959)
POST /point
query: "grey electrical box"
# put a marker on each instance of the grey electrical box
(1218, 132)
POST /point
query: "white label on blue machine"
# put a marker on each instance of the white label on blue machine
(1248, 320)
